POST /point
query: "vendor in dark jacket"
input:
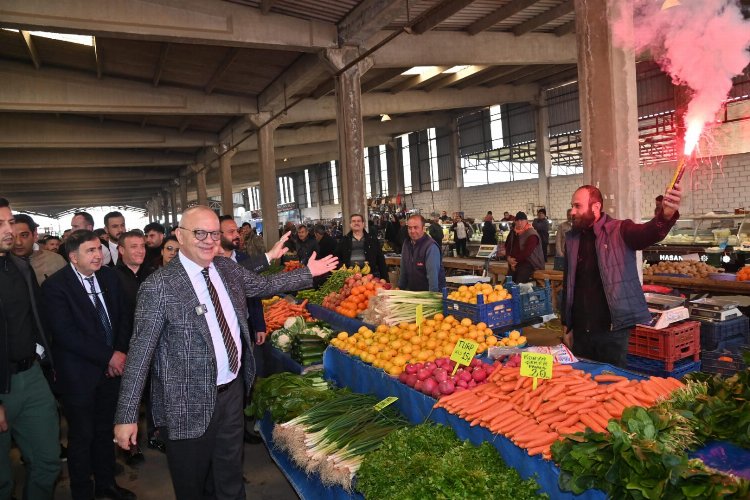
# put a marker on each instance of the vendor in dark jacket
(326, 243)
(421, 261)
(304, 244)
(358, 247)
(524, 250)
(602, 294)
(489, 231)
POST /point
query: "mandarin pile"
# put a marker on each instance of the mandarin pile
(391, 348)
(469, 293)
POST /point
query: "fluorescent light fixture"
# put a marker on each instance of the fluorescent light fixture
(63, 37)
(418, 70)
(385, 118)
(455, 69)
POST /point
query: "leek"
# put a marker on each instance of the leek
(391, 307)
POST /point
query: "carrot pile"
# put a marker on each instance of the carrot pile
(276, 314)
(565, 404)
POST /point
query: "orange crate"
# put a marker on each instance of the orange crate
(670, 344)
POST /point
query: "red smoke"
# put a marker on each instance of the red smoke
(702, 44)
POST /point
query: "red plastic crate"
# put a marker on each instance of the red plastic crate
(669, 344)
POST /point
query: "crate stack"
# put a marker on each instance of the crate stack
(723, 344)
(669, 352)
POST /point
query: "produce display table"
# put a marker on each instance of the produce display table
(336, 320)
(701, 285)
(498, 269)
(347, 371)
(279, 361)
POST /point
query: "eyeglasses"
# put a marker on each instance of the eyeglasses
(173, 249)
(201, 234)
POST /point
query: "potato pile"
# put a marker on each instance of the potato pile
(693, 269)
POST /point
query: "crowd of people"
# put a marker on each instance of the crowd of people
(175, 321)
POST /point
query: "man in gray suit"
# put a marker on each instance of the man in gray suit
(191, 317)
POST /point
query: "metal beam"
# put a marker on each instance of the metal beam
(63, 91)
(30, 48)
(451, 48)
(45, 131)
(367, 19)
(385, 75)
(500, 14)
(79, 187)
(487, 75)
(566, 29)
(87, 176)
(378, 103)
(37, 158)
(185, 21)
(416, 80)
(541, 74)
(438, 14)
(544, 18)
(221, 69)
(160, 64)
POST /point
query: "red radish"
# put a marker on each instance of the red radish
(430, 365)
(419, 366)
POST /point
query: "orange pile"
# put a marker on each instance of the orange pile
(744, 274)
(391, 348)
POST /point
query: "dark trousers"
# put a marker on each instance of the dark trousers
(210, 466)
(605, 346)
(90, 418)
(523, 273)
(461, 250)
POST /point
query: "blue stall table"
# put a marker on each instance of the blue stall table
(336, 320)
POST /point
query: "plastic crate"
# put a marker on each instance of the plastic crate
(655, 367)
(669, 345)
(713, 364)
(715, 335)
(494, 315)
(536, 303)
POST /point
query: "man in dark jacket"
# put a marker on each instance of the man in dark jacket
(461, 234)
(358, 247)
(602, 294)
(28, 412)
(326, 244)
(85, 306)
(436, 232)
(304, 244)
(489, 231)
(541, 226)
(523, 249)
(421, 262)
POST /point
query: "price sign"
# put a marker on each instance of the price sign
(463, 353)
(536, 365)
(420, 318)
(385, 402)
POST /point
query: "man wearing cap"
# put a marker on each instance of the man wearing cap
(524, 251)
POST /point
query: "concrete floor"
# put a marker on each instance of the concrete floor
(150, 480)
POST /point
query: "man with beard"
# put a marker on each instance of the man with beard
(602, 294)
(44, 263)
(114, 223)
(154, 240)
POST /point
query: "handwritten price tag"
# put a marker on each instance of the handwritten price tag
(463, 353)
(420, 318)
(536, 365)
(385, 402)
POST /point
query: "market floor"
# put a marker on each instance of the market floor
(150, 480)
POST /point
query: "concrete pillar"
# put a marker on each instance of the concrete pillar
(609, 108)
(395, 168)
(200, 183)
(543, 157)
(319, 189)
(225, 181)
(455, 152)
(165, 207)
(173, 201)
(350, 130)
(267, 165)
(183, 191)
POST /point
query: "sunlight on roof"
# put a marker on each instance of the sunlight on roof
(418, 70)
(455, 69)
(63, 37)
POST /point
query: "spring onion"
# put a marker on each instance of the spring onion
(391, 307)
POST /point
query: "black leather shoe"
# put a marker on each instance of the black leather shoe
(157, 444)
(114, 492)
(252, 437)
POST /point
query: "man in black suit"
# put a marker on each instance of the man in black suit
(326, 243)
(191, 333)
(90, 328)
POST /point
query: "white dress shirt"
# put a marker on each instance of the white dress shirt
(195, 272)
(97, 289)
(115, 255)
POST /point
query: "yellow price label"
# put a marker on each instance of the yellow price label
(385, 402)
(536, 365)
(464, 352)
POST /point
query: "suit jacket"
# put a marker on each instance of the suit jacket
(255, 263)
(170, 331)
(78, 339)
